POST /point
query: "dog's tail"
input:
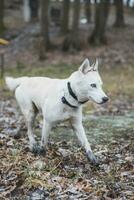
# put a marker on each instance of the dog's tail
(13, 83)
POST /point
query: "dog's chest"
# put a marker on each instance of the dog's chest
(62, 115)
(65, 114)
(59, 114)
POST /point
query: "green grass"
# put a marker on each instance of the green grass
(119, 81)
(53, 71)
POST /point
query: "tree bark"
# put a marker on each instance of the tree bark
(119, 22)
(76, 15)
(72, 41)
(101, 15)
(65, 16)
(2, 27)
(34, 5)
(88, 10)
(2, 65)
(128, 3)
(44, 25)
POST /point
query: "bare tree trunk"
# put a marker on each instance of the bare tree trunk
(72, 41)
(128, 3)
(30, 10)
(2, 65)
(101, 15)
(2, 27)
(119, 22)
(65, 16)
(88, 10)
(26, 11)
(34, 5)
(76, 15)
(44, 24)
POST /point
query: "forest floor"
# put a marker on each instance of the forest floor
(65, 172)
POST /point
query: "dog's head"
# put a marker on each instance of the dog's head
(88, 84)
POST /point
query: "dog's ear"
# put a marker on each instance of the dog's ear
(85, 66)
(94, 66)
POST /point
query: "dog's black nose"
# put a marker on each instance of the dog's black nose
(105, 99)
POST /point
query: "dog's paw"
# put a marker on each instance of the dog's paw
(91, 157)
(38, 150)
(17, 136)
(35, 149)
(42, 151)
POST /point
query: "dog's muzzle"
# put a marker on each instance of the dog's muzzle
(104, 100)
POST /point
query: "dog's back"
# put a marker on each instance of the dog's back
(34, 89)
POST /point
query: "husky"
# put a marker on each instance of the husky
(59, 100)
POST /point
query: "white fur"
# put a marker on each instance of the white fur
(46, 93)
(13, 83)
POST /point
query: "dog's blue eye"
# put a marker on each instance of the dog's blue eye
(93, 85)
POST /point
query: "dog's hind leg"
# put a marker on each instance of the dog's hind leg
(30, 117)
(79, 130)
(29, 113)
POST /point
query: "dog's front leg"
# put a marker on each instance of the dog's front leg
(45, 133)
(79, 130)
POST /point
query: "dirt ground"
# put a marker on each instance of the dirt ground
(65, 172)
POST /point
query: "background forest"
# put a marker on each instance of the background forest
(52, 38)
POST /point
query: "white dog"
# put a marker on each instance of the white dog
(59, 100)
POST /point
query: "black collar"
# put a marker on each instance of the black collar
(73, 94)
(71, 91)
(63, 99)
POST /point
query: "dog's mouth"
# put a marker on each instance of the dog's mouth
(102, 102)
